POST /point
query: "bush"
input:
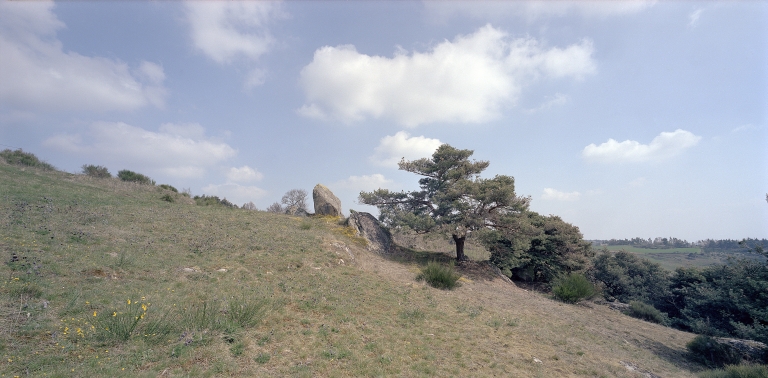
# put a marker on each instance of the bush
(573, 288)
(131, 176)
(167, 197)
(96, 171)
(213, 201)
(646, 312)
(295, 197)
(738, 371)
(708, 351)
(439, 276)
(626, 277)
(168, 187)
(19, 157)
(249, 206)
(275, 208)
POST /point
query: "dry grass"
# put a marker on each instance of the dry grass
(332, 307)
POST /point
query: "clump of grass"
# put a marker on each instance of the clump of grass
(246, 313)
(573, 288)
(167, 197)
(738, 371)
(120, 325)
(19, 157)
(439, 276)
(131, 176)
(412, 315)
(646, 312)
(262, 358)
(96, 171)
(707, 350)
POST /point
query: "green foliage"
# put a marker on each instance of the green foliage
(439, 276)
(722, 300)
(131, 176)
(169, 187)
(646, 312)
(626, 277)
(19, 157)
(246, 313)
(538, 248)
(738, 371)
(213, 201)
(452, 199)
(573, 288)
(167, 197)
(708, 351)
(262, 358)
(96, 171)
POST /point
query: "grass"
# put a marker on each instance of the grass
(230, 292)
(673, 258)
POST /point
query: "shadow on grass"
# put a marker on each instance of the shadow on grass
(470, 269)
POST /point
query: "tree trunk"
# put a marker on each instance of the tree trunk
(460, 247)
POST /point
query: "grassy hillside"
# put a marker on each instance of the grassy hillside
(673, 258)
(104, 278)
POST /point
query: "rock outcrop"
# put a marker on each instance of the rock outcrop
(296, 211)
(326, 203)
(369, 228)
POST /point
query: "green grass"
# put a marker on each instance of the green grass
(673, 258)
(218, 291)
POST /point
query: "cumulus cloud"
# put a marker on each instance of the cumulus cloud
(36, 73)
(556, 195)
(663, 146)
(243, 174)
(365, 182)
(393, 148)
(230, 31)
(235, 193)
(469, 79)
(179, 150)
(531, 10)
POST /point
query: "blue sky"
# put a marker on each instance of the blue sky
(626, 119)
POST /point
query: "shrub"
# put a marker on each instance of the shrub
(646, 312)
(573, 288)
(439, 276)
(213, 201)
(295, 197)
(738, 371)
(708, 351)
(96, 171)
(249, 206)
(167, 197)
(168, 187)
(275, 208)
(131, 176)
(19, 157)
(626, 277)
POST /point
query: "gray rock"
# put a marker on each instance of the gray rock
(368, 227)
(326, 203)
(749, 350)
(296, 211)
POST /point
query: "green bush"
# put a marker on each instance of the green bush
(169, 187)
(96, 171)
(439, 276)
(213, 201)
(131, 176)
(626, 277)
(646, 312)
(573, 288)
(167, 197)
(738, 371)
(19, 157)
(711, 353)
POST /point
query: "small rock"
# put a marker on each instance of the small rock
(188, 270)
(222, 270)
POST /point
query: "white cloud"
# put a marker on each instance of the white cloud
(243, 174)
(746, 127)
(235, 193)
(693, 18)
(392, 148)
(365, 182)
(469, 79)
(531, 10)
(230, 31)
(176, 150)
(36, 73)
(663, 146)
(553, 194)
(557, 100)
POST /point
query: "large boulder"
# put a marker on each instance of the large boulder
(368, 227)
(326, 203)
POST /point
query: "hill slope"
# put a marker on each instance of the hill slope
(103, 278)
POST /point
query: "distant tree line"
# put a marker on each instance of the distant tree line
(707, 245)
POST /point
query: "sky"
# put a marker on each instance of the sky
(626, 119)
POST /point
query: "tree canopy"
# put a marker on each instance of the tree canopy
(452, 199)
